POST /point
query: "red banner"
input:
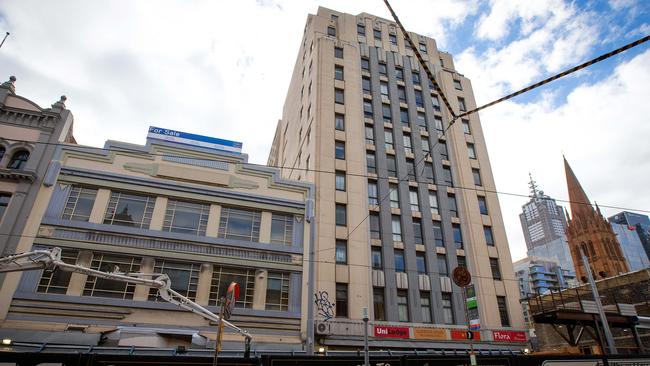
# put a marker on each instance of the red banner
(508, 336)
(462, 335)
(391, 332)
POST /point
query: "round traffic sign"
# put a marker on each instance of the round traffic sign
(461, 276)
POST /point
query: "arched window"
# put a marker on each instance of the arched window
(591, 248)
(584, 249)
(19, 160)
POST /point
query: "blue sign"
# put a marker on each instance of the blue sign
(194, 140)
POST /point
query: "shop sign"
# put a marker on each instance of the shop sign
(391, 332)
(429, 333)
(462, 335)
(508, 336)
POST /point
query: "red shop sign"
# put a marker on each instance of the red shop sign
(462, 335)
(391, 332)
(508, 336)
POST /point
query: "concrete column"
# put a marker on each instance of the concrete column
(213, 221)
(203, 286)
(78, 280)
(141, 292)
(265, 227)
(158, 215)
(99, 208)
(259, 296)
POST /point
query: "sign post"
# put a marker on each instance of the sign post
(227, 305)
(462, 278)
(366, 354)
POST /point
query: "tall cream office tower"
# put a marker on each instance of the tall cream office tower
(398, 204)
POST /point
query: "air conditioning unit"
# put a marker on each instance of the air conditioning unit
(323, 328)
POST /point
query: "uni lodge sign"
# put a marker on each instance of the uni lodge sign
(391, 332)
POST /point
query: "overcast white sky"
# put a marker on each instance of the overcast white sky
(222, 69)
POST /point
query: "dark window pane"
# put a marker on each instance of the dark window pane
(458, 236)
(482, 205)
(341, 252)
(420, 262)
(374, 226)
(489, 238)
(443, 269)
(399, 261)
(378, 302)
(339, 149)
(376, 258)
(341, 214)
(341, 300)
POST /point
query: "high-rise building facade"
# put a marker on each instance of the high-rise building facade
(399, 204)
(639, 223)
(588, 232)
(543, 222)
(632, 247)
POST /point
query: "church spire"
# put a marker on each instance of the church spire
(580, 204)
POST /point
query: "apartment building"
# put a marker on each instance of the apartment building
(399, 203)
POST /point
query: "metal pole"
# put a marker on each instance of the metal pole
(601, 312)
(217, 346)
(366, 352)
(3, 40)
(309, 216)
(472, 356)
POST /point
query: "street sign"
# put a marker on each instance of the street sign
(461, 276)
(231, 298)
(472, 308)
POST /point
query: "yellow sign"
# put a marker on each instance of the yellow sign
(429, 333)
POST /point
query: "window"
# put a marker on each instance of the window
(334, 17)
(365, 85)
(129, 210)
(55, 281)
(386, 114)
(453, 208)
(341, 300)
(382, 69)
(404, 116)
(4, 203)
(421, 121)
(341, 252)
(376, 258)
(419, 101)
(396, 225)
(476, 174)
(401, 93)
(277, 291)
(388, 139)
(423, 47)
(466, 128)
(101, 287)
(78, 206)
(374, 226)
(184, 278)
(339, 121)
(425, 306)
(437, 234)
(331, 31)
(458, 236)
(19, 160)
(461, 105)
(370, 162)
(378, 303)
(2, 152)
(338, 96)
(410, 169)
(446, 176)
(421, 262)
(444, 153)
(372, 194)
(425, 145)
(399, 261)
(370, 135)
(482, 205)
(503, 311)
(428, 173)
(392, 39)
(417, 231)
(458, 85)
(402, 306)
(365, 64)
(462, 261)
(240, 224)
(416, 78)
(367, 109)
(390, 166)
(406, 140)
(443, 269)
(338, 72)
(186, 217)
(377, 34)
(361, 30)
(383, 88)
(341, 214)
(399, 74)
(438, 123)
(489, 238)
(435, 102)
(433, 203)
(338, 52)
(471, 151)
(339, 180)
(494, 266)
(393, 195)
(339, 149)
(447, 308)
(282, 229)
(413, 199)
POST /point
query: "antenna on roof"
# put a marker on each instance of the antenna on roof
(533, 186)
(3, 40)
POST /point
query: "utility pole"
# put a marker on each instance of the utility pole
(599, 305)
(366, 354)
(3, 40)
